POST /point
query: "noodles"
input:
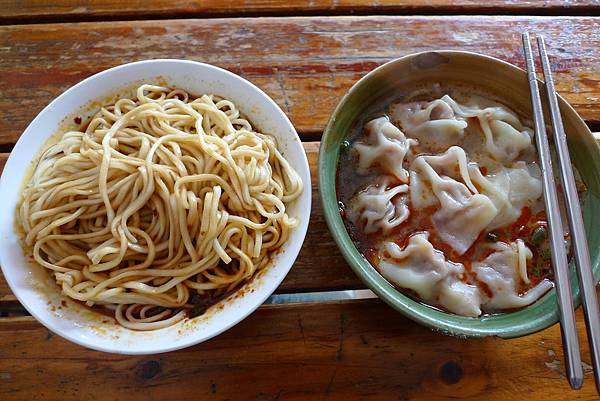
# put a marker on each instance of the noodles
(164, 202)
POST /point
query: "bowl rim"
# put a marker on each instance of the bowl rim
(364, 270)
(293, 249)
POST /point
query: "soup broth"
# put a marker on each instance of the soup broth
(442, 194)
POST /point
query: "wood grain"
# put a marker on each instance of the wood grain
(329, 351)
(305, 64)
(6, 296)
(319, 266)
(35, 11)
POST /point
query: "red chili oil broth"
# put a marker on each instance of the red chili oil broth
(349, 183)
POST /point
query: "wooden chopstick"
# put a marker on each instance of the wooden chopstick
(578, 237)
(557, 244)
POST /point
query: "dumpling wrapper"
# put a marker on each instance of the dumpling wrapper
(505, 138)
(424, 270)
(379, 208)
(501, 271)
(460, 298)
(385, 146)
(460, 221)
(510, 190)
(433, 123)
(463, 213)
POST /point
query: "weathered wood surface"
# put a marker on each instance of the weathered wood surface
(5, 293)
(305, 64)
(35, 11)
(319, 266)
(332, 351)
(329, 351)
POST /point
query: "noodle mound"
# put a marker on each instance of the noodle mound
(163, 203)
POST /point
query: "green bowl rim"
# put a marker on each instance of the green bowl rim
(423, 314)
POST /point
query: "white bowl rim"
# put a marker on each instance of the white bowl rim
(293, 249)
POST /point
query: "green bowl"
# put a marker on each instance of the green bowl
(505, 83)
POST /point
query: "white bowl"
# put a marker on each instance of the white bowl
(37, 291)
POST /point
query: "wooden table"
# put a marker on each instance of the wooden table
(305, 56)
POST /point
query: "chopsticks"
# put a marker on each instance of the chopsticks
(557, 245)
(587, 284)
(579, 241)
